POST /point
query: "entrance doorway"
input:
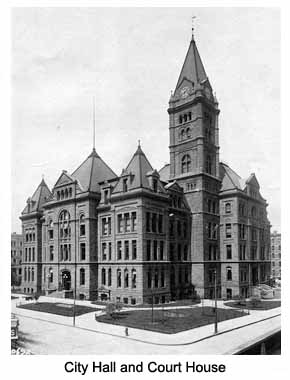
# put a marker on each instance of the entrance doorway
(66, 280)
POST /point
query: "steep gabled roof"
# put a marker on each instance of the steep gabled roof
(230, 179)
(92, 171)
(192, 69)
(64, 179)
(39, 197)
(138, 171)
(165, 173)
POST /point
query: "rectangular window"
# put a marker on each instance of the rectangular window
(106, 196)
(127, 222)
(162, 279)
(51, 252)
(119, 250)
(228, 230)
(126, 249)
(134, 249)
(160, 223)
(171, 228)
(155, 250)
(82, 230)
(148, 250)
(149, 280)
(171, 251)
(33, 254)
(110, 251)
(109, 226)
(229, 251)
(154, 220)
(104, 227)
(104, 251)
(120, 223)
(50, 234)
(83, 251)
(134, 221)
(161, 250)
(179, 252)
(148, 222)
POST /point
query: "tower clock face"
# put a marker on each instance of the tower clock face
(184, 92)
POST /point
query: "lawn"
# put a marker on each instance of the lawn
(263, 305)
(170, 321)
(58, 308)
(184, 302)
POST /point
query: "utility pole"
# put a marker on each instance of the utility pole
(215, 303)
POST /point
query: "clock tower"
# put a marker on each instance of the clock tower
(194, 164)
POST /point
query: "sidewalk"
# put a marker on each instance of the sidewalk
(88, 322)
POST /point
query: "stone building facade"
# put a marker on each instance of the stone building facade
(16, 258)
(276, 255)
(153, 235)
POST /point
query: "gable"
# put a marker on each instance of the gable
(64, 179)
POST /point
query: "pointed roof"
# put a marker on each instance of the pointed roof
(92, 171)
(138, 168)
(192, 69)
(64, 179)
(39, 197)
(164, 173)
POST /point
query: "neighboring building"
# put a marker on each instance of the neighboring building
(276, 255)
(16, 258)
(147, 234)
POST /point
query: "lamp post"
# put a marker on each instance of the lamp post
(215, 303)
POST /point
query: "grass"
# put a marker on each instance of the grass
(170, 321)
(65, 310)
(263, 305)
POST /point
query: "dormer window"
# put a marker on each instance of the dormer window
(125, 184)
(106, 196)
(154, 185)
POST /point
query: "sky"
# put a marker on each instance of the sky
(129, 59)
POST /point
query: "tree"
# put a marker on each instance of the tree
(112, 308)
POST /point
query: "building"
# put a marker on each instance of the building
(16, 258)
(149, 234)
(276, 255)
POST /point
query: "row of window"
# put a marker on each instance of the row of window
(64, 193)
(29, 274)
(178, 228)
(123, 250)
(154, 222)
(179, 276)
(30, 235)
(14, 243)
(212, 230)
(126, 222)
(125, 278)
(212, 206)
(242, 210)
(82, 274)
(185, 134)
(184, 118)
(178, 252)
(29, 254)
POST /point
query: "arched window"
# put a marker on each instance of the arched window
(58, 195)
(228, 208)
(185, 118)
(61, 194)
(182, 134)
(254, 211)
(180, 119)
(134, 278)
(119, 278)
(50, 229)
(188, 133)
(229, 273)
(66, 193)
(64, 225)
(82, 276)
(25, 274)
(185, 164)
(32, 274)
(126, 278)
(82, 225)
(189, 115)
(70, 192)
(28, 274)
(103, 276)
(50, 276)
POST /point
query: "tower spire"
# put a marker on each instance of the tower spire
(192, 26)
(94, 125)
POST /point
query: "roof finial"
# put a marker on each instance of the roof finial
(139, 144)
(192, 26)
(94, 125)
